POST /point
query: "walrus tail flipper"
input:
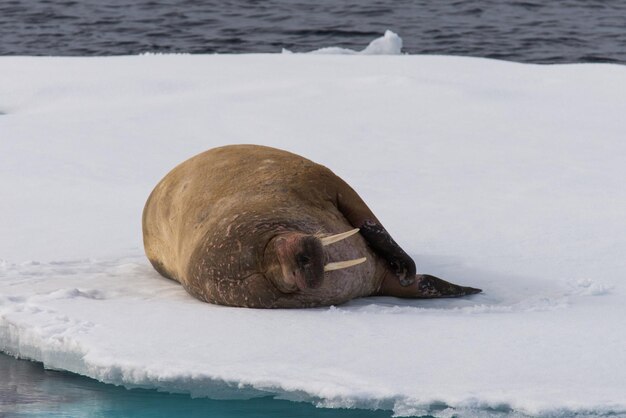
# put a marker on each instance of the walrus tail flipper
(424, 287)
(433, 287)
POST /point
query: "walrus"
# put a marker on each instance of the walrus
(258, 227)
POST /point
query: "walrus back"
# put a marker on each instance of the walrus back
(159, 224)
(183, 197)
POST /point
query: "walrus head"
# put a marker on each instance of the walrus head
(297, 261)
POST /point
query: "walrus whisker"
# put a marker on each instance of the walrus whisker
(338, 237)
(343, 264)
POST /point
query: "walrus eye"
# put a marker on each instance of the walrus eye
(303, 259)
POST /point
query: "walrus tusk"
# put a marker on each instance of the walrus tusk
(344, 264)
(338, 237)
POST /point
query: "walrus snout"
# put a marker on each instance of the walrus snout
(301, 259)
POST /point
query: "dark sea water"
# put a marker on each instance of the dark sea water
(27, 390)
(539, 31)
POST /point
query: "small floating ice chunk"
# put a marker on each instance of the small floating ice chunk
(388, 44)
(334, 50)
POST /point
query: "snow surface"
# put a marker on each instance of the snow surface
(509, 177)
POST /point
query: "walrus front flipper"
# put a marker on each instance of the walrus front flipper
(425, 287)
(360, 216)
(399, 261)
(400, 279)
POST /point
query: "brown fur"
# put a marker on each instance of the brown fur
(208, 224)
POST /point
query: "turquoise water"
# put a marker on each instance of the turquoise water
(28, 390)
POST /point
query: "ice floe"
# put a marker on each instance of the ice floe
(503, 176)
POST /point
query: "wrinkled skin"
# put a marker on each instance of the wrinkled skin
(241, 225)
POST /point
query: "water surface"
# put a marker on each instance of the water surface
(558, 31)
(28, 390)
